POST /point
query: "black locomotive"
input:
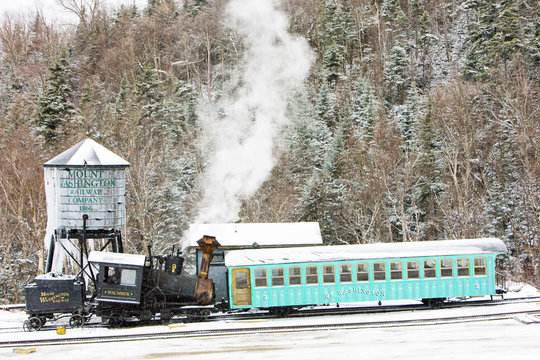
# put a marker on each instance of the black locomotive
(124, 287)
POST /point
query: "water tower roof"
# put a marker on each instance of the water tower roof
(87, 153)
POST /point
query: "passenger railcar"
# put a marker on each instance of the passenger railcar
(431, 271)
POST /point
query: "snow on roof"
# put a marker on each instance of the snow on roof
(264, 234)
(104, 257)
(87, 153)
(364, 252)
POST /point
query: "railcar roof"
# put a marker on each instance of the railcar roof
(104, 257)
(364, 252)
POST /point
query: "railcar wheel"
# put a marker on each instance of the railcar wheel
(76, 321)
(280, 311)
(435, 303)
(33, 324)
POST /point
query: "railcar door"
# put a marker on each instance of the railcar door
(241, 287)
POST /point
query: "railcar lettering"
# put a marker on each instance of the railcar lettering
(51, 297)
(357, 290)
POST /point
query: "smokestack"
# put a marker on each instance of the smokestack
(204, 291)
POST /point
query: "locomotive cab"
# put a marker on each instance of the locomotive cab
(120, 276)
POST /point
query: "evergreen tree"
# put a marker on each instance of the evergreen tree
(56, 108)
(180, 115)
(150, 99)
(422, 38)
(496, 37)
(308, 138)
(338, 38)
(397, 74)
(394, 15)
(326, 103)
(427, 180)
(406, 116)
(363, 107)
(123, 100)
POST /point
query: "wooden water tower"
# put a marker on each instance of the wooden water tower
(85, 189)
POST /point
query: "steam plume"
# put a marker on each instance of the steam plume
(241, 130)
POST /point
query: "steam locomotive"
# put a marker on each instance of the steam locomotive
(136, 287)
(123, 287)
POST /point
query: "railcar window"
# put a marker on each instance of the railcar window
(345, 273)
(479, 267)
(430, 269)
(295, 276)
(396, 271)
(463, 267)
(312, 275)
(447, 268)
(329, 274)
(128, 277)
(260, 278)
(362, 272)
(379, 271)
(278, 278)
(241, 280)
(413, 270)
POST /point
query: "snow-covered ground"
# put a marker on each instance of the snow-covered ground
(512, 338)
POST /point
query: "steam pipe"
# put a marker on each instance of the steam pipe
(150, 257)
(82, 245)
(50, 255)
(119, 240)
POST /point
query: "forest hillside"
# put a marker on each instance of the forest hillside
(399, 120)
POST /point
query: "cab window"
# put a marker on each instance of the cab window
(128, 277)
(260, 278)
(111, 275)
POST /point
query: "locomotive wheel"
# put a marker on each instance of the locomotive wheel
(33, 324)
(115, 320)
(76, 321)
(197, 315)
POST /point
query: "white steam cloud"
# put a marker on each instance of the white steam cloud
(241, 130)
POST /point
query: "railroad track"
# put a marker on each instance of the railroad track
(307, 312)
(342, 310)
(304, 313)
(276, 328)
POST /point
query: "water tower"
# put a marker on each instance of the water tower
(85, 189)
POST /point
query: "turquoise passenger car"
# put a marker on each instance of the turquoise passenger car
(286, 278)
